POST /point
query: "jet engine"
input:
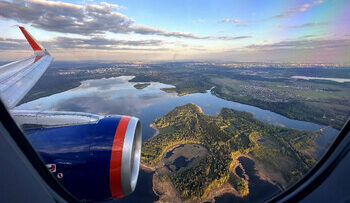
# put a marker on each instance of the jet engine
(93, 157)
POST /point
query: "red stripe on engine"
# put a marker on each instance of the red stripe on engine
(116, 158)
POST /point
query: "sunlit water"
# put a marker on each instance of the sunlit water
(341, 80)
(118, 96)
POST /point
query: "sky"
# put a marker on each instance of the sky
(295, 31)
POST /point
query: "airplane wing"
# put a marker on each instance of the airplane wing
(17, 78)
(75, 144)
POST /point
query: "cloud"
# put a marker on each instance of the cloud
(304, 44)
(88, 19)
(311, 50)
(243, 25)
(238, 22)
(228, 20)
(101, 43)
(13, 44)
(309, 36)
(287, 13)
(309, 25)
(66, 17)
(233, 38)
(155, 31)
(83, 43)
(298, 9)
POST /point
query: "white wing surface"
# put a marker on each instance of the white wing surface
(17, 78)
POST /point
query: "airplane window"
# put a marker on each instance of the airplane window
(230, 101)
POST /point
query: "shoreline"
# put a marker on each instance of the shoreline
(166, 192)
(146, 167)
(154, 127)
(226, 188)
(263, 174)
(218, 192)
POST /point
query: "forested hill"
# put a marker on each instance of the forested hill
(226, 136)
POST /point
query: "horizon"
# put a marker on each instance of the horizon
(216, 62)
(310, 32)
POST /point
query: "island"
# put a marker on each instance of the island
(210, 161)
(141, 85)
(274, 87)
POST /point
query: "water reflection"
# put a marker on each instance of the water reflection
(118, 96)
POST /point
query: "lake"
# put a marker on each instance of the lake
(118, 96)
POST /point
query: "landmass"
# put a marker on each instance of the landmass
(267, 86)
(142, 85)
(225, 138)
(281, 155)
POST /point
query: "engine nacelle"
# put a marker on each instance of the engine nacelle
(94, 161)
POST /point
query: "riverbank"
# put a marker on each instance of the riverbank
(260, 189)
(163, 189)
(261, 171)
(166, 192)
(154, 128)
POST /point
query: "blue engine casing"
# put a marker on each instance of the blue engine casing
(82, 155)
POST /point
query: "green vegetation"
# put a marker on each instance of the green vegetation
(240, 184)
(142, 85)
(322, 102)
(225, 136)
(325, 104)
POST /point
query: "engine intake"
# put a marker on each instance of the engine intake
(125, 157)
(98, 160)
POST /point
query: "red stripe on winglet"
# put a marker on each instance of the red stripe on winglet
(116, 158)
(30, 39)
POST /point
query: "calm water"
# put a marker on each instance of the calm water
(143, 191)
(259, 190)
(118, 96)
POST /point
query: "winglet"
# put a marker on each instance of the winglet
(36, 46)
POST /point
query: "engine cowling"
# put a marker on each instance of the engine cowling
(95, 161)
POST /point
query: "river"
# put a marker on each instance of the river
(118, 96)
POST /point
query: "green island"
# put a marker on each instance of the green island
(231, 134)
(142, 85)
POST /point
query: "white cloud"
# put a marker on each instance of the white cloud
(313, 24)
(228, 20)
(298, 9)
